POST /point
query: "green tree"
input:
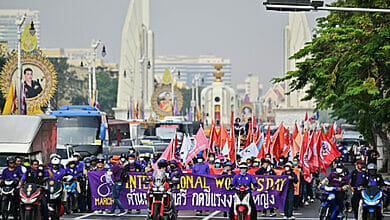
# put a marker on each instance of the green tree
(107, 91)
(347, 67)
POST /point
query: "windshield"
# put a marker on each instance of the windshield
(77, 130)
(62, 153)
(143, 150)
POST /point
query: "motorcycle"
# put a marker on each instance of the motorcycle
(372, 203)
(70, 186)
(242, 208)
(386, 200)
(160, 202)
(329, 208)
(54, 199)
(30, 201)
(9, 198)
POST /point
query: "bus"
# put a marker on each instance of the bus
(81, 126)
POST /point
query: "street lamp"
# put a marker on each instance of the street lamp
(32, 29)
(19, 91)
(94, 46)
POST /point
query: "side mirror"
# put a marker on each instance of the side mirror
(102, 131)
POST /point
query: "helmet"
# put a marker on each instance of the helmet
(76, 154)
(131, 155)
(123, 155)
(228, 164)
(55, 159)
(217, 161)
(162, 163)
(371, 169)
(100, 157)
(93, 158)
(87, 160)
(339, 169)
(10, 160)
(257, 160)
(173, 162)
(243, 165)
(147, 155)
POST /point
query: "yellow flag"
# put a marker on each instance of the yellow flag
(28, 41)
(167, 77)
(9, 101)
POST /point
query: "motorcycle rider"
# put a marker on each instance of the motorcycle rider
(175, 170)
(340, 180)
(56, 169)
(93, 162)
(243, 178)
(12, 173)
(227, 169)
(37, 176)
(356, 179)
(131, 166)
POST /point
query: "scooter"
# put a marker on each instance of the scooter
(160, 202)
(70, 186)
(386, 199)
(329, 208)
(30, 201)
(372, 203)
(242, 208)
(9, 199)
(54, 199)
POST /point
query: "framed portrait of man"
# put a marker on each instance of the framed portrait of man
(162, 100)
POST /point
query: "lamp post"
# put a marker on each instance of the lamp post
(20, 75)
(193, 100)
(95, 44)
(197, 77)
(88, 59)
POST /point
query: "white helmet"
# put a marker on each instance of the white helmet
(55, 159)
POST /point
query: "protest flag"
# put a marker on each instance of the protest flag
(168, 154)
(330, 134)
(249, 152)
(303, 157)
(313, 160)
(327, 152)
(278, 142)
(212, 136)
(185, 147)
(223, 141)
(201, 143)
(267, 147)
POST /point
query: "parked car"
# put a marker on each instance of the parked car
(142, 149)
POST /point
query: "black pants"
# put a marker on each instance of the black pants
(289, 204)
(340, 196)
(356, 197)
(253, 207)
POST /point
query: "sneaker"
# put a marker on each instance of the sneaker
(121, 213)
(311, 200)
(97, 212)
(306, 203)
(104, 212)
(198, 213)
(137, 211)
(292, 217)
(285, 217)
(272, 214)
(262, 214)
(350, 210)
(111, 212)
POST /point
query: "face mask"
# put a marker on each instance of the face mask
(131, 161)
(268, 158)
(211, 159)
(339, 170)
(173, 167)
(242, 172)
(141, 159)
(281, 161)
(123, 159)
(295, 163)
(87, 164)
(200, 160)
(256, 164)
(268, 168)
(287, 168)
(217, 165)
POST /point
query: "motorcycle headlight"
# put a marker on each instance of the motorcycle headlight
(372, 203)
(161, 188)
(154, 189)
(331, 196)
(29, 201)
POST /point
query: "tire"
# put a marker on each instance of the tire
(241, 216)
(4, 209)
(156, 212)
(324, 213)
(68, 205)
(28, 215)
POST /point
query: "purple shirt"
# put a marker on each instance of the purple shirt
(246, 180)
(58, 174)
(116, 172)
(35, 173)
(202, 168)
(11, 175)
(337, 181)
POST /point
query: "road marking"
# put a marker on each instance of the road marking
(85, 216)
(212, 215)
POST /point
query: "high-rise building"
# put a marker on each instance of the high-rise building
(8, 25)
(136, 79)
(190, 66)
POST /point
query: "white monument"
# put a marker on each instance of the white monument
(135, 80)
(218, 100)
(297, 33)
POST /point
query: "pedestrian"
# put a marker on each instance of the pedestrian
(266, 169)
(289, 203)
(115, 172)
(372, 155)
(356, 178)
(200, 168)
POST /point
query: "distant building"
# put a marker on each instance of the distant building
(189, 66)
(9, 28)
(253, 88)
(136, 79)
(272, 100)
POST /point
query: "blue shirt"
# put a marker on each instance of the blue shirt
(246, 180)
(74, 172)
(58, 174)
(337, 181)
(202, 168)
(359, 176)
(11, 175)
(79, 167)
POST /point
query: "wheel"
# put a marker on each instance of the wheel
(28, 215)
(4, 209)
(156, 212)
(68, 205)
(324, 213)
(241, 216)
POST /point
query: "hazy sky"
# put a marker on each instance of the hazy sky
(241, 30)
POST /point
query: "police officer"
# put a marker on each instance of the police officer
(56, 169)
(11, 172)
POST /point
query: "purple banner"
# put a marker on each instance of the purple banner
(194, 192)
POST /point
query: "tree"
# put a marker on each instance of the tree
(347, 67)
(107, 91)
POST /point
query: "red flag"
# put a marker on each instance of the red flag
(287, 146)
(201, 143)
(278, 142)
(296, 146)
(167, 154)
(306, 116)
(223, 138)
(249, 136)
(313, 152)
(212, 136)
(330, 134)
(303, 157)
(327, 152)
(232, 145)
(231, 119)
(267, 148)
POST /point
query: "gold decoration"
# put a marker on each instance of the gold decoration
(28, 41)
(167, 77)
(162, 100)
(43, 73)
(218, 74)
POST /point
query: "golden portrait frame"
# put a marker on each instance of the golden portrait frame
(242, 108)
(156, 103)
(39, 64)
